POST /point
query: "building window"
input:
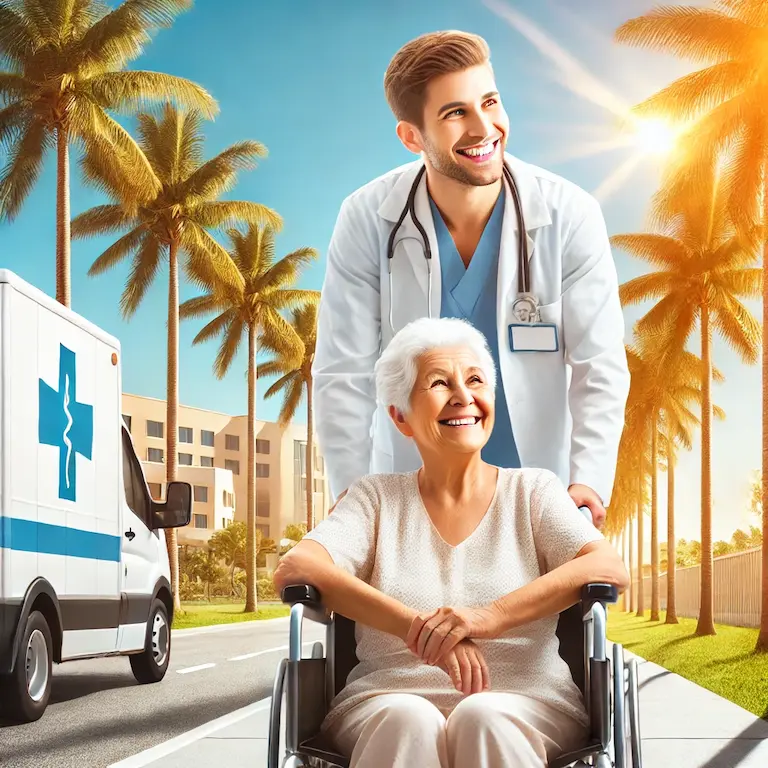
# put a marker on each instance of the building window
(319, 485)
(264, 531)
(186, 435)
(232, 465)
(127, 420)
(154, 428)
(232, 442)
(156, 491)
(201, 521)
(228, 499)
(206, 437)
(262, 506)
(155, 454)
(206, 461)
(224, 522)
(262, 446)
(185, 459)
(201, 493)
(319, 464)
(262, 470)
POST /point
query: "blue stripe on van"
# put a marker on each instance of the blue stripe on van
(31, 536)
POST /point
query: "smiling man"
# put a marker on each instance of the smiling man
(469, 231)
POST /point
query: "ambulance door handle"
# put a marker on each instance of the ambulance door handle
(130, 535)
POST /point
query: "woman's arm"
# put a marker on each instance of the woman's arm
(309, 563)
(559, 589)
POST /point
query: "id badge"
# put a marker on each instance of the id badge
(533, 337)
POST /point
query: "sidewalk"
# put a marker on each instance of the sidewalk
(681, 725)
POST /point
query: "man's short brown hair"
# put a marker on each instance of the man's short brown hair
(421, 60)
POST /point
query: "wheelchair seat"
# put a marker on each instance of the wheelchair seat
(608, 685)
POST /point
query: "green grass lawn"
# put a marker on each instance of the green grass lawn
(206, 614)
(723, 663)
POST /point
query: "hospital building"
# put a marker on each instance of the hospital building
(212, 450)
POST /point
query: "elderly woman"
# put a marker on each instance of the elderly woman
(455, 575)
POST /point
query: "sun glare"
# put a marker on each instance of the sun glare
(654, 136)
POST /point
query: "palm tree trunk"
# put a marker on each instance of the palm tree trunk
(250, 536)
(640, 515)
(625, 596)
(671, 547)
(310, 465)
(706, 625)
(63, 269)
(655, 603)
(172, 410)
(762, 637)
(632, 588)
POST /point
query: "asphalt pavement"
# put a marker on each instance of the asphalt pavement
(99, 715)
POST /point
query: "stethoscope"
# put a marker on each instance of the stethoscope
(525, 299)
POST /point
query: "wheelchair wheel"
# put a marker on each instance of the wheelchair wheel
(634, 713)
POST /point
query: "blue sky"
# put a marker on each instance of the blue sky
(305, 78)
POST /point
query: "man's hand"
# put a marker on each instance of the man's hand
(467, 668)
(584, 496)
(434, 635)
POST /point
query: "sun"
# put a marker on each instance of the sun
(654, 136)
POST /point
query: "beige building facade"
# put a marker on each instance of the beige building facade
(212, 450)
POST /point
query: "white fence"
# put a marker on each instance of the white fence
(736, 589)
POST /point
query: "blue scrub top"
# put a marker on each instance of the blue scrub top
(469, 293)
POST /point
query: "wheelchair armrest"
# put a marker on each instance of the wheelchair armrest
(599, 593)
(302, 593)
(309, 597)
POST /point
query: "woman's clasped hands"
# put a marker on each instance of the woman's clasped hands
(443, 638)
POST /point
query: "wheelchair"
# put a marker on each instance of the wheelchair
(609, 685)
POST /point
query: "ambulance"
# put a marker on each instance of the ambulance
(84, 567)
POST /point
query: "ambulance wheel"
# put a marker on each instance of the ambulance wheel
(28, 688)
(151, 664)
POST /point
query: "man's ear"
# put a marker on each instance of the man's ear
(399, 419)
(409, 135)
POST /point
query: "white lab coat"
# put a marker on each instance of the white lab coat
(566, 408)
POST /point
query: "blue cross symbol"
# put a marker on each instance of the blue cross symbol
(66, 424)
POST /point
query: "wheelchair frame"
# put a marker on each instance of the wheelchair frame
(609, 685)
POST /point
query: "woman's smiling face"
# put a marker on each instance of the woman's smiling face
(452, 403)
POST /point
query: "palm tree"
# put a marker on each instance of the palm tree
(729, 100)
(701, 259)
(168, 220)
(248, 303)
(296, 380)
(60, 75)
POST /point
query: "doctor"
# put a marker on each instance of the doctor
(441, 237)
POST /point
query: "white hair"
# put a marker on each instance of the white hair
(397, 367)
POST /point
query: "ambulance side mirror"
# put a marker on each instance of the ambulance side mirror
(176, 510)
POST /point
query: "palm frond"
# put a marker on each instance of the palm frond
(650, 286)
(229, 213)
(15, 87)
(287, 270)
(274, 367)
(216, 327)
(747, 283)
(131, 91)
(14, 120)
(658, 250)
(17, 37)
(120, 36)
(199, 306)
(738, 327)
(25, 161)
(233, 335)
(291, 401)
(145, 266)
(218, 174)
(118, 251)
(99, 220)
(699, 34)
(208, 263)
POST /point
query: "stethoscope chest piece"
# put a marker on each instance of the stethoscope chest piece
(525, 308)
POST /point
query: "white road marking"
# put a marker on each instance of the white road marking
(160, 751)
(187, 670)
(268, 650)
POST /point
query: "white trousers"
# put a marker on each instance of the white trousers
(485, 730)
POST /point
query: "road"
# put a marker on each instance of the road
(98, 713)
